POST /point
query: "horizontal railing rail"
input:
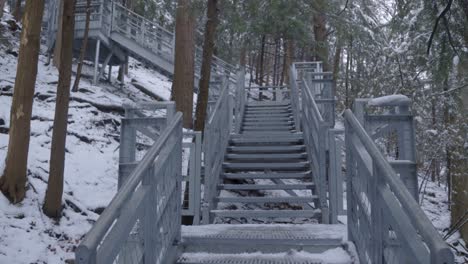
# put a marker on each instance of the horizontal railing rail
(384, 220)
(267, 93)
(215, 142)
(148, 204)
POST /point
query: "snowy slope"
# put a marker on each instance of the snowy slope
(26, 235)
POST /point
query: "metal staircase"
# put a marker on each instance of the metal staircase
(264, 167)
(273, 168)
(117, 32)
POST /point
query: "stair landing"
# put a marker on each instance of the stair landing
(264, 244)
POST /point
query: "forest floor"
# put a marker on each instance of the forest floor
(26, 234)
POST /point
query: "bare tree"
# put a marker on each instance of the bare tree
(58, 37)
(184, 66)
(2, 5)
(320, 33)
(13, 181)
(53, 198)
(17, 13)
(84, 45)
(205, 75)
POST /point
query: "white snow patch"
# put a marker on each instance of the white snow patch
(389, 99)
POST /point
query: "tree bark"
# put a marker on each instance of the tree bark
(288, 58)
(460, 166)
(13, 181)
(17, 14)
(53, 198)
(262, 61)
(84, 45)
(2, 5)
(208, 48)
(184, 66)
(320, 33)
(58, 37)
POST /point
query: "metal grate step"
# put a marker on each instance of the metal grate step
(259, 175)
(282, 166)
(248, 187)
(261, 200)
(266, 149)
(267, 213)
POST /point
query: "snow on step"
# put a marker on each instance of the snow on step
(264, 244)
(331, 256)
(267, 233)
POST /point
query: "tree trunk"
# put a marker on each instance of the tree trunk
(243, 56)
(208, 47)
(184, 66)
(460, 166)
(275, 63)
(58, 37)
(84, 45)
(2, 5)
(13, 181)
(17, 12)
(288, 58)
(320, 33)
(262, 61)
(53, 198)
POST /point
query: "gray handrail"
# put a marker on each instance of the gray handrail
(96, 247)
(439, 251)
(215, 141)
(315, 133)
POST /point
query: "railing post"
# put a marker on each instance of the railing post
(149, 219)
(322, 134)
(197, 184)
(377, 227)
(127, 147)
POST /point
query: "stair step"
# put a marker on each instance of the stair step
(267, 106)
(285, 138)
(282, 175)
(266, 149)
(265, 238)
(267, 166)
(285, 257)
(266, 114)
(266, 129)
(260, 105)
(267, 213)
(268, 119)
(267, 111)
(253, 199)
(267, 157)
(269, 123)
(247, 187)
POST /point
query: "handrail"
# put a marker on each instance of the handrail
(215, 142)
(315, 134)
(388, 185)
(117, 221)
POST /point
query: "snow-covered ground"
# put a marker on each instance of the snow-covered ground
(26, 235)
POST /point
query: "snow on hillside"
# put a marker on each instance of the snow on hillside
(26, 235)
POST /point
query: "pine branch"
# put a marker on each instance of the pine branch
(442, 14)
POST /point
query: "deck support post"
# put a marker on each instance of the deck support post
(96, 62)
